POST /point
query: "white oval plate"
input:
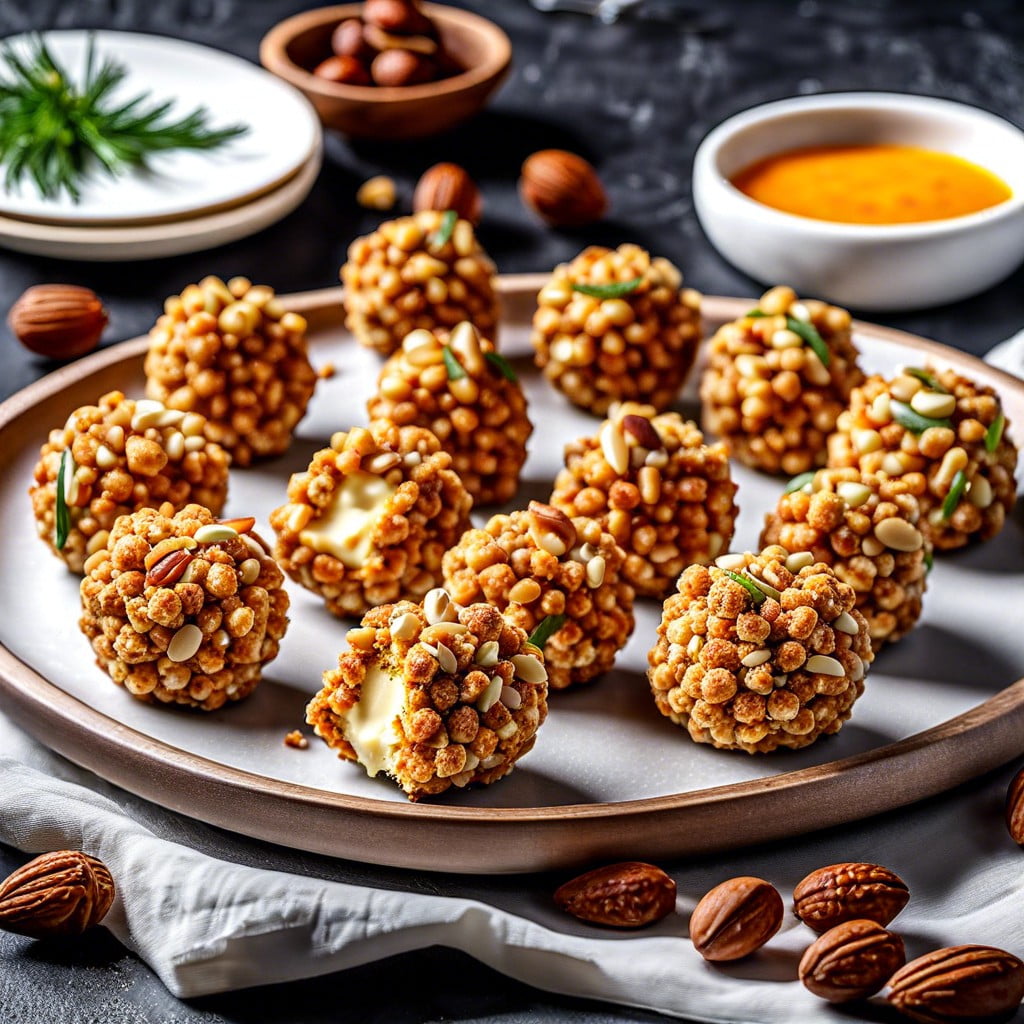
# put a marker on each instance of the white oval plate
(283, 132)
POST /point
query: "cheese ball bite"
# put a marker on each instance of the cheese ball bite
(945, 439)
(615, 324)
(434, 695)
(183, 609)
(232, 352)
(368, 522)
(752, 655)
(538, 566)
(458, 387)
(657, 488)
(119, 456)
(777, 380)
(423, 271)
(866, 527)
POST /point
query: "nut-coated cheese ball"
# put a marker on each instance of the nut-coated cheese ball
(945, 438)
(615, 324)
(423, 271)
(538, 563)
(120, 455)
(777, 380)
(458, 387)
(232, 352)
(434, 695)
(866, 527)
(752, 655)
(183, 609)
(664, 495)
(368, 522)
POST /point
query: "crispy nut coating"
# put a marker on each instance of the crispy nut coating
(479, 416)
(768, 394)
(522, 565)
(751, 656)
(638, 346)
(407, 275)
(201, 640)
(122, 456)
(667, 506)
(456, 724)
(960, 440)
(419, 510)
(845, 518)
(232, 353)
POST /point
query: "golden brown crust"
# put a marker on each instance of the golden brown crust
(124, 456)
(232, 352)
(639, 346)
(765, 391)
(667, 499)
(200, 639)
(742, 675)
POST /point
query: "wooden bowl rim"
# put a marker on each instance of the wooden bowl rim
(274, 56)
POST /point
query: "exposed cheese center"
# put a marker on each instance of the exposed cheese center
(344, 528)
(370, 724)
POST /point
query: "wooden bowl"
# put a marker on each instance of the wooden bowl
(294, 46)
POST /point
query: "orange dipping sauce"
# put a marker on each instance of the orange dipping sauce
(871, 184)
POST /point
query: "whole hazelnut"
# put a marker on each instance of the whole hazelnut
(343, 70)
(59, 321)
(348, 40)
(400, 16)
(447, 186)
(563, 188)
(401, 67)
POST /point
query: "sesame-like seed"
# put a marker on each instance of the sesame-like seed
(822, 664)
(212, 533)
(430, 649)
(404, 627)
(435, 605)
(846, 623)
(490, 695)
(898, 534)
(382, 462)
(487, 654)
(755, 658)
(595, 571)
(105, 458)
(446, 659)
(511, 698)
(980, 493)
(529, 668)
(733, 561)
(799, 560)
(508, 730)
(933, 403)
(853, 492)
(185, 643)
(613, 447)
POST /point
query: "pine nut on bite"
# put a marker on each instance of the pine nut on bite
(181, 609)
(867, 528)
(232, 352)
(116, 457)
(456, 385)
(537, 563)
(708, 672)
(434, 695)
(943, 438)
(665, 496)
(615, 324)
(370, 519)
(777, 379)
(423, 271)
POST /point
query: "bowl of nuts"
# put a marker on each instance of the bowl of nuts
(389, 69)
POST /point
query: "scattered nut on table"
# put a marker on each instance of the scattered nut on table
(736, 918)
(447, 186)
(843, 892)
(56, 895)
(59, 321)
(626, 895)
(563, 188)
(851, 961)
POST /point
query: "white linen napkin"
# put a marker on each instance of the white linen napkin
(211, 923)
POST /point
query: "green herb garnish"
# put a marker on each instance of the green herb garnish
(756, 314)
(750, 586)
(956, 492)
(549, 625)
(925, 378)
(912, 420)
(62, 517)
(798, 483)
(609, 291)
(451, 364)
(54, 133)
(444, 233)
(994, 433)
(503, 365)
(929, 561)
(810, 334)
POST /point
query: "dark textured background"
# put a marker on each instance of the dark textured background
(636, 98)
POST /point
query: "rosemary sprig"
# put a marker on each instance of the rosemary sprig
(609, 291)
(503, 366)
(62, 517)
(54, 133)
(452, 364)
(545, 628)
(443, 234)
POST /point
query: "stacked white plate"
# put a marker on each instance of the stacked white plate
(183, 200)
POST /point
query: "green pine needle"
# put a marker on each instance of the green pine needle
(54, 133)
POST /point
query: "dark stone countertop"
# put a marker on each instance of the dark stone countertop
(636, 98)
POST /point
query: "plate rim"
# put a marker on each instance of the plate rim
(988, 732)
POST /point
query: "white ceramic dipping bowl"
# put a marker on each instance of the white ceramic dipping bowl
(866, 266)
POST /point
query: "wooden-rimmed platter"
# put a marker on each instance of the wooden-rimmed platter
(609, 778)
